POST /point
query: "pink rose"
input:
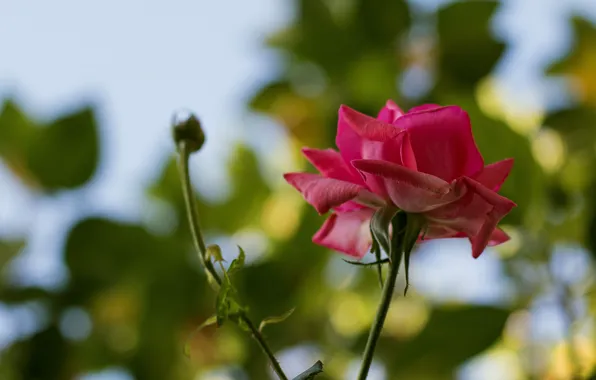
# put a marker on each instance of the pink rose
(424, 161)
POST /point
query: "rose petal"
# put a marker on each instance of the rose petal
(442, 142)
(326, 193)
(390, 112)
(367, 127)
(331, 165)
(438, 231)
(379, 140)
(390, 151)
(349, 206)
(408, 159)
(493, 175)
(424, 107)
(347, 232)
(498, 236)
(466, 215)
(476, 215)
(409, 190)
(348, 141)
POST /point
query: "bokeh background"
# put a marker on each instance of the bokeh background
(98, 277)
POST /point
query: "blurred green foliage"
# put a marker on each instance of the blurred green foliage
(144, 293)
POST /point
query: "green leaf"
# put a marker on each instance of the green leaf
(467, 50)
(238, 262)
(227, 305)
(101, 253)
(312, 372)
(64, 154)
(223, 303)
(316, 23)
(278, 319)
(16, 130)
(210, 321)
(382, 22)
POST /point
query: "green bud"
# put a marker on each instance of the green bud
(214, 252)
(186, 127)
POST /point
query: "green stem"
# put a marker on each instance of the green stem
(266, 350)
(192, 212)
(376, 328)
(199, 243)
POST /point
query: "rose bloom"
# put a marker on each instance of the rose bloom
(424, 161)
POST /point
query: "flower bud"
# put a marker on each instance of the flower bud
(186, 127)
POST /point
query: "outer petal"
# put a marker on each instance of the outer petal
(367, 127)
(475, 215)
(349, 206)
(348, 141)
(390, 112)
(409, 190)
(492, 176)
(331, 165)
(424, 107)
(498, 236)
(347, 232)
(322, 193)
(326, 193)
(442, 142)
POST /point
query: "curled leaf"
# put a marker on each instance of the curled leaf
(278, 319)
(238, 262)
